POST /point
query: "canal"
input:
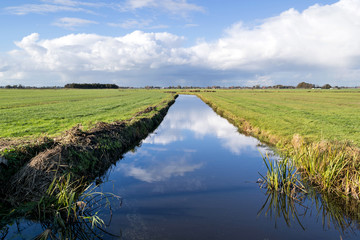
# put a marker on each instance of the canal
(196, 177)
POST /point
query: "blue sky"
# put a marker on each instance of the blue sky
(186, 42)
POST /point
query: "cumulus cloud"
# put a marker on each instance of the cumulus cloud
(91, 52)
(320, 41)
(320, 36)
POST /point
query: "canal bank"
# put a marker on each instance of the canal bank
(84, 154)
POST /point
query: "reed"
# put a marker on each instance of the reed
(282, 177)
(332, 167)
(307, 126)
(71, 210)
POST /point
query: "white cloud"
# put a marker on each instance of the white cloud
(319, 37)
(191, 25)
(178, 7)
(320, 41)
(75, 3)
(133, 24)
(52, 6)
(138, 24)
(42, 8)
(71, 23)
(91, 52)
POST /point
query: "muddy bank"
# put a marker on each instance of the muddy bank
(85, 154)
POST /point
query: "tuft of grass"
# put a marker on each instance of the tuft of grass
(282, 177)
(332, 167)
(70, 210)
(317, 129)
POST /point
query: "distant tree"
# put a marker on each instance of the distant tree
(305, 85)
(326, 86)
(91, 85)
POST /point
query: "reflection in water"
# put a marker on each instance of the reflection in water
(340, 214)
(281, 206)
(70, 210)
(159, 171)
(202, 122)
(195, 178)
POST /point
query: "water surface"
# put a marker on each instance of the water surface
(195, 178)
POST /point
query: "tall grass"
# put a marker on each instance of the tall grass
(328, 155)
(290, 200)
(332, 167)
(282, 177)
(70, 210)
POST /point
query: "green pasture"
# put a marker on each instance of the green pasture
(314, 114)
(31, 113)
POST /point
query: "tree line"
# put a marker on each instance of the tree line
(91, 85)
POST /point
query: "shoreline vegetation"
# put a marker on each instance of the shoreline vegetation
(52, 180)
(317, 130)
(84, 153)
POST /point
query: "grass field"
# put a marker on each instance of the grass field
(318, 129)
(30, 113)
(314, 114)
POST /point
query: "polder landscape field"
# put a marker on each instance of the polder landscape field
(58, 141)
(88, 129)
(31, 113)
(318, 129)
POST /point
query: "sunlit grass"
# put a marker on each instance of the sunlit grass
(317, 129)
(314, 114)
(25, 112)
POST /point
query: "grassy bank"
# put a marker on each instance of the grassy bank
(319, 129)
(84, 151)
(46, 178)
(31, 113)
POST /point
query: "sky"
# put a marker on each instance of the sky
(180, 42)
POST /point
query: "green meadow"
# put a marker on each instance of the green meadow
(314, 114)
(31, 113)
(317, 129)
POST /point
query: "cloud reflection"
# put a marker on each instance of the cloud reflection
(157, 171)
(203, 122)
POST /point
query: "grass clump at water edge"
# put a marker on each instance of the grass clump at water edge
(281, 177)
(332, 167)
(69, 210)
(329, 153)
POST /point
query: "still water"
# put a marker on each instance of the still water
(196, 177)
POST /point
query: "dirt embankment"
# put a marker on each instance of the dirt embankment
(86, 154)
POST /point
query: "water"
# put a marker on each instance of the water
(195, 178)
